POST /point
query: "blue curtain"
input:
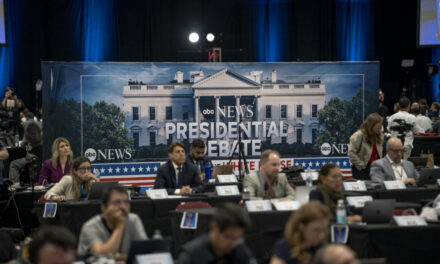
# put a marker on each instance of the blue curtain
(7, 71)
(98, 35)
(354, 30)
(434, 82)
(270, 27)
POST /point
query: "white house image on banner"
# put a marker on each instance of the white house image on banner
(149, 107)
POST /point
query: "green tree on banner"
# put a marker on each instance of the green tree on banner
(339, 119)
(103, 126)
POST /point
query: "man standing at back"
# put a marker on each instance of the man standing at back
(403, 119)
(111, 233)
(178, 176)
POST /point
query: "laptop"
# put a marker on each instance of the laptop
(428, 176)
(302, 193)
(98, 188)
(378, 211)
(418, 161)
(140, 247)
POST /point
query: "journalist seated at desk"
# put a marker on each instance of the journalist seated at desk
(329, 190)
(52, 244)
(268, 183)
(224, 242)
(335, 254)
(110, 233)
(76, 185)
(305, 232)
(393, 167)
(59, 164)
(178, 176)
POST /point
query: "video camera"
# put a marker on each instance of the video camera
(401, 127)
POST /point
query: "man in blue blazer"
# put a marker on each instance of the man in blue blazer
(197, 157)
(393, 167)
(176, 175)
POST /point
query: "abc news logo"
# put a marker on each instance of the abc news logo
(90, 154)
(208, 112)
(327, 149)
(108, 154)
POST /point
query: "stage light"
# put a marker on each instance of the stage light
(193, 37)
(431, 69)
(210, 37)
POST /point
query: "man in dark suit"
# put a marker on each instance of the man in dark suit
(197, 157)
(178, 176)
(392, 166)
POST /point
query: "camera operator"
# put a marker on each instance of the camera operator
(13, 106)
(403, 125)
(33, 157)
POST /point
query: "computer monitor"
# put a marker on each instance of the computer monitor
(98, 188)
(139, 247)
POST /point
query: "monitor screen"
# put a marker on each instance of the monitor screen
(429, 23)
(2, 22)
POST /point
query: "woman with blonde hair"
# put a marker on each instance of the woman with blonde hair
(76, 185)
(305, 232)
(366, 146)
(56, 167)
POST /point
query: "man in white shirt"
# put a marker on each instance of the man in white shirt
(424, 122)
(402, 119)
(392, 167)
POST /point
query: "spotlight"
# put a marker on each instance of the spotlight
(193, 37)
(431, 69)
(210, 37)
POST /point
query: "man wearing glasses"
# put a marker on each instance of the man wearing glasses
(393, 167)
(111, 233)
(224, 242)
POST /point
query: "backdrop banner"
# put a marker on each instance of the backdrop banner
(123, 116)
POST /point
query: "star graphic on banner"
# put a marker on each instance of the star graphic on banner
(323, 163)
(344, 163)
(337, 163)
(303, 164)
(155, 168)
(133, 169)
(125, 169)
(110, 170)
(148, 168)
(140, 169)
(310, 164)
(118, 170)
(317, 164)
(296, 164)
(95, 171)
(102, 170)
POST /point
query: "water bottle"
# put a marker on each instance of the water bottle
(157, 234)
(17, 140)
(309, 181)
(341, 212)
(207, 172)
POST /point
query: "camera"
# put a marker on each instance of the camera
(401, 127)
